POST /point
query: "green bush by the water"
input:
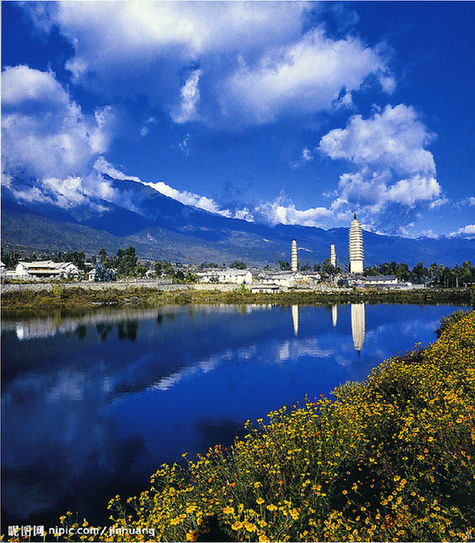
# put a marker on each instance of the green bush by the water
(389, 459)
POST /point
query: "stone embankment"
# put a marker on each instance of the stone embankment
(116, 285)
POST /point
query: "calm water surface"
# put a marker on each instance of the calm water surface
(91, 405)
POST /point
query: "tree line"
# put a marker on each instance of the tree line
(433, 275)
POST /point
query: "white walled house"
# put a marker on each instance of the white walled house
(282, 279)
(380, 280)
(46, 269)
(237, 277)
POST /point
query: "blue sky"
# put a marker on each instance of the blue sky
(299, 113)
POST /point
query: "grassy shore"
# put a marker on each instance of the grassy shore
(387, 459)
(78, 297)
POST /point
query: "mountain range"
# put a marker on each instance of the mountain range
(162, 228)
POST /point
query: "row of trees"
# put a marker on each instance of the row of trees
(434, 275)
(236, 264)
(326, 269)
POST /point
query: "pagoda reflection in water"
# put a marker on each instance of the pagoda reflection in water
(295, 319)
(358, 325)
(334, 314)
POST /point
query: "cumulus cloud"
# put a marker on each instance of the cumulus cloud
(44, 131)
(145, 46)
(395, 171)
(304, 77)
(46, 137)
(394, 138)
(246, 62)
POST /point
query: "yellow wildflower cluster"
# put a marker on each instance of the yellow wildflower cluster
(391, 460)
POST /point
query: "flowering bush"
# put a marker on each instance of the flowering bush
(392, 460)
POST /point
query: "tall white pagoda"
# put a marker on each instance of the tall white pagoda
(332, 255)
(293, 257)
(356, 246)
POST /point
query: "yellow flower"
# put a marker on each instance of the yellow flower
(272, 507)
(263, 538)
(249, 526)
(259, 501)
(228, 510)
(237, 525)
(294, 514)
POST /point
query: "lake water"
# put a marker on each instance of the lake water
(92, 404)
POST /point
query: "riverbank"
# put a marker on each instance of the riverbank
(389, 459)
(58, 296)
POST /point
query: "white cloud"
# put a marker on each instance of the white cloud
(307, 154)
(145, 46)
(282, 212)
(44, 132)
(393, 139)
(464, 232)
(304, 77)
(183, 145)
(411, 191)
(395, 174)
(102, 166)
(190, 96)
(252, 60)
(245, 214)
(189, 198)
(144, 131)
(48, 139)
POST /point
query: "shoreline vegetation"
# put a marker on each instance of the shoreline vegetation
(61, 297)
(388, 459)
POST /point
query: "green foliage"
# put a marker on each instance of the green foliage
(347, 389)
(85, 297)
(284, 266)
(238, 265)
(450, 320)
(435, 275)
(329, 270)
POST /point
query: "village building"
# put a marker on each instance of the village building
(151, 274)
(45, 269)
(380, 280)
(237, 277)
(263, 288)
(282, 279)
